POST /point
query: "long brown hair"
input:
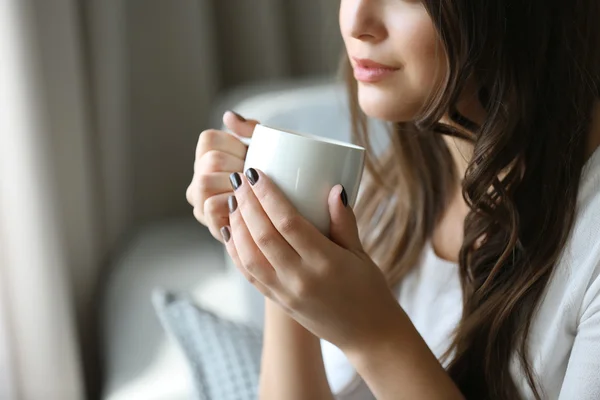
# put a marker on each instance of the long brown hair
(537, 67)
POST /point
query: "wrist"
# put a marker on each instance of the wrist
(400, 358)
(277, 320)
(381, 342)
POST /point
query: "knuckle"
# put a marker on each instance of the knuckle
(288, 224)
(204, 182)
(250, 278)
(302, 287)
(213, 161)
(252, 268)
(208, 138)
(265, 239)
(257, 268)
(323, 272)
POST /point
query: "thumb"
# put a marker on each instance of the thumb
(343, 229)
(238, 124)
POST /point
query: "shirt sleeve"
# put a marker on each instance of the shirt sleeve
(582, 378)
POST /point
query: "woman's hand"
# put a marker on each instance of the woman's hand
(218, 154)
(331, 287)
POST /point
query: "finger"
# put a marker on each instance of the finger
(273, 246)
(199, 215)
(302, 236)
(190, 194)
(213, 139)
(251, 258)
(343, 229)
(212, 184)
(204, 186)
(206, 205)
(216, 213)
(225, 232)
(218, 161)
(238, 124)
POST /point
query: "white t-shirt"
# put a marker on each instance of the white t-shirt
(565, 334)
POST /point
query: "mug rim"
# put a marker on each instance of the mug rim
(314, 138)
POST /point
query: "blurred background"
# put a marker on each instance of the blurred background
(102, 102)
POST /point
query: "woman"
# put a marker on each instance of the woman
(478, 273)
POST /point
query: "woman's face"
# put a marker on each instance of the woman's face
(397, 57)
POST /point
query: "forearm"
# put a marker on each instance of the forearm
(292, 363)
(401, 366)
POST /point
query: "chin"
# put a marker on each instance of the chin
(387, 105)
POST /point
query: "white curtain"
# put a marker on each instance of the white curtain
(45, 218)
(101, 103)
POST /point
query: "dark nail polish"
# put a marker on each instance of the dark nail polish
(232, 202)
(252, 176)
(238, 116)
(226, 233)
(344, 197)
(236, 180)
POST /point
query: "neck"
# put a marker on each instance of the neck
(447, 237)
(471, 108)
(462, 150)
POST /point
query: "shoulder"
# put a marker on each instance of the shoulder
(589, 187)
(585, 236)
(579, 266)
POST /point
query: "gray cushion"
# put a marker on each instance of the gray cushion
(177, 254)
(224, 356)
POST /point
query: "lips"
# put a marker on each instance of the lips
(369, 71)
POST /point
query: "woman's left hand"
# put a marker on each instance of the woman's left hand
(330, 286)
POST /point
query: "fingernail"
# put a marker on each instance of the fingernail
(232, 201)
(252, 176)
(344, 197)
(238, 116)
(226, 233)
(236, 180)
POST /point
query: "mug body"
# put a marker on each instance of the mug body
(306, 168)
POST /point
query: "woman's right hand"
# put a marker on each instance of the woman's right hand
(218, 154)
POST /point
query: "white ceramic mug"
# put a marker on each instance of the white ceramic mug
(306, 168)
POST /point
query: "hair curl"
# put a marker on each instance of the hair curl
(537, 70)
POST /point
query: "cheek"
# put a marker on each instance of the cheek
(415, 42)
(424, 56)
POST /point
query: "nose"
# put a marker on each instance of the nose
(366, 22)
